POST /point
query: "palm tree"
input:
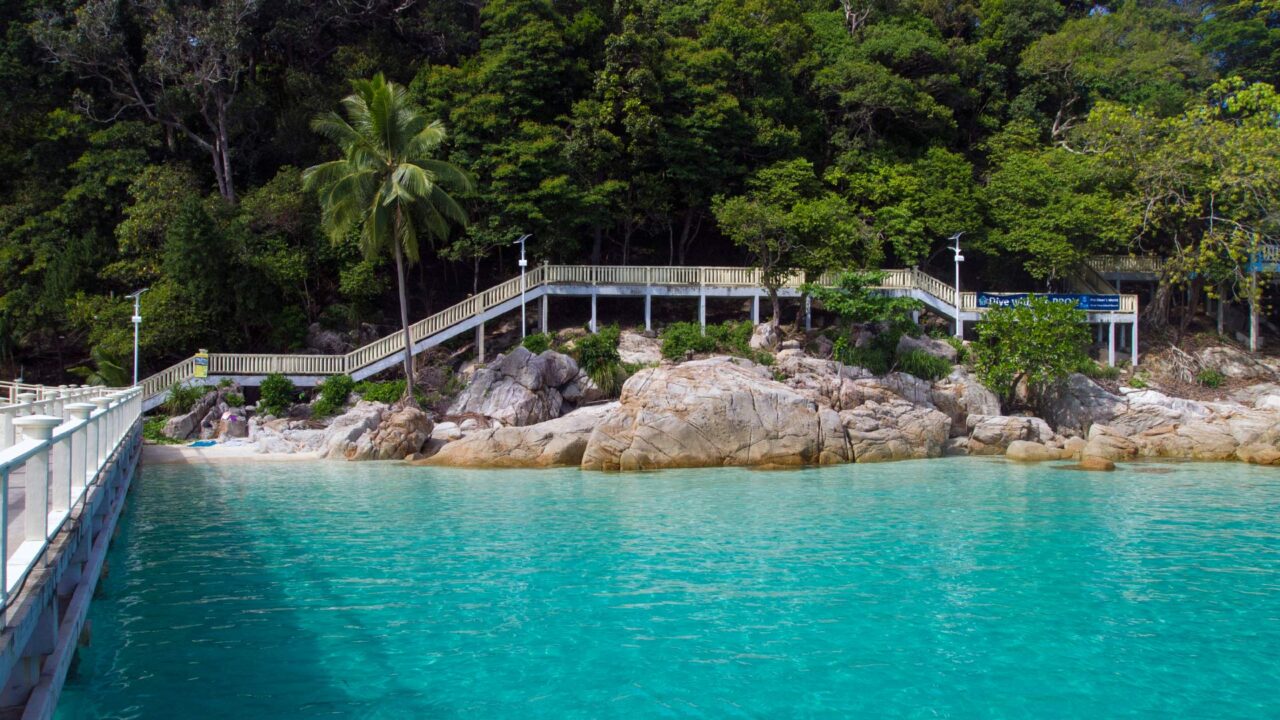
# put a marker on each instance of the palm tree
(386, 184)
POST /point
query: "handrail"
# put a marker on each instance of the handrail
(59, 458)
(477, 305)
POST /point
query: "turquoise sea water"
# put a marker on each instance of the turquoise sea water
(963, 588)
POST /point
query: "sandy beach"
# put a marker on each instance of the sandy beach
(186, 455)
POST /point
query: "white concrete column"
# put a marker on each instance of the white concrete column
(25, 399)
(480, 342)
(102, 430)
(82, 448)
(915, 317)
(1133, 344)
(543, 315)
(808, 313)
(593, 310)
(1111, 343)
(755, 309)
(36, 476)
(64, 399)
(702, 312)
(648, 310)
(7, 432)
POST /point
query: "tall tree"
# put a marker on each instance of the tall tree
(387, 184)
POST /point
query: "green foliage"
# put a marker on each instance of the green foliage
(388, 392)
(962, 350)
(234, 400)
(1039, 342)
(923, 365)
(730, 338)
(276, 395)
(678, 339)
(1138, 382)
(181, 398)
(1210, 378)
(598, 350)
(537, 343)
(852, 299)
(334, 391)
(153, 432)
(107, 370)
(1098, 371)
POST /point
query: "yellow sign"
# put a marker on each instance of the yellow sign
(202, 364)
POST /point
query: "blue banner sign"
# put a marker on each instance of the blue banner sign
(1092, 303)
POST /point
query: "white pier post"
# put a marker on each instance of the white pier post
(1133, 344)
(702, 311)
(480, 342)
(543, 314)
(103, 428)
(755, 308)
(82, 448)
(36, 472)
(1111, 342)
(648, 310)
(593, 310)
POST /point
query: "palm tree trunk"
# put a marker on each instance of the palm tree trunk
(404, 324)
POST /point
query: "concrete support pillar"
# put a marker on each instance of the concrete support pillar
(648, 310)
(808, 313)
(480, 342)
(1111, 343)
(702, 312)
(1255, 321)
(959, 326)
(1221, 310)
(915, 316)
(593, 311)
(7, 432)
(1133, 344)
(542, 316)
(36, 472)
(755, 309)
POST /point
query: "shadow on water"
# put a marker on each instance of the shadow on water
(195, 581)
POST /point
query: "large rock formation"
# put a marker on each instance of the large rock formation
(559, 442)
(203, 418)
(895, 430)
(518, 388)
(960, 395)
(343, 433)
(637, 349)
(992, 435)
(714, 412)
(929, 346)
(1077, 403)
(403, 431)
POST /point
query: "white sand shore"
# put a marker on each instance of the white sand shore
(186, 455)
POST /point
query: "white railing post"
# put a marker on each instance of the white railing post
(36, 476)
(82, 447)
(103, 430)
(7, 415)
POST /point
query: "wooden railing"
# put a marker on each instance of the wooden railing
(1139, 264)
(475, 306)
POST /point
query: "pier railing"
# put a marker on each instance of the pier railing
(590, 275)
(52, 454)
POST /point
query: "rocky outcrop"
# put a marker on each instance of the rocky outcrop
(1236, 363)
(344, 431)
(960, 395)
(403, 431)
(1027, 451)
(929, 346)
(896, 430)
(1076, 403)
(518, 388)
(203, 418)
(992, 435)
(765, 336)
(555, 443)
(637, 349)
(715, 412)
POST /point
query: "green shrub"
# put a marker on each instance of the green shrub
(1098, 371)
(234, 400)
(537, 343)
(1210, 378)
(1138, 382)
(383, 392)
(923, 365)
(680, 338)
(1038, 343)
(277, 393)
(182, 398)
(732, 337)
(333, 395)
(599, 349)
(877, 356)
(153, 430)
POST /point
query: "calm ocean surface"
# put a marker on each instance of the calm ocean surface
(964, 588)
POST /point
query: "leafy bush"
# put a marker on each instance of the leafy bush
(537, 343)
(277, 393)
(234, 400)
(224, 382)
(732, 337)
(1098, 371)
(877, 356)
(182, 398)
(383, 392)
(1040, 341)
(678, 339)
(962, 350)
(1138, 382)
(923, 365)
(333, 395)
(599, 349)
(153, 430)
(1210, 378)
(854, 301)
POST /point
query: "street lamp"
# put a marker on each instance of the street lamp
(137, 324)
(959, 259)
(523, 264)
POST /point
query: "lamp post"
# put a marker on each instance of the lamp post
(523, 264)
(959, 259)
(137, 324)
